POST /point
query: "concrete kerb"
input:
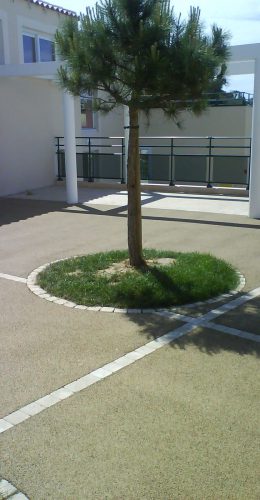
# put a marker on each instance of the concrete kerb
(40, 292)
(8, 490)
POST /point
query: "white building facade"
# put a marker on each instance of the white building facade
(34, 110)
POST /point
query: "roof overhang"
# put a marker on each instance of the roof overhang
(41, 70)
(55, 8)
(242, 60)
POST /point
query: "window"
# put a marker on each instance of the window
(29, 49)
(87, 114)
(47, 52)
(37, 49)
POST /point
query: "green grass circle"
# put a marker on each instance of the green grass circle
(193, 277)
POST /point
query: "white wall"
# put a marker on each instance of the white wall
(218, 121)
(29, 111)
(30, 108)
(215, 121)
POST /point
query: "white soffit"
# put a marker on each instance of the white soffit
(241, 62)
(41, 69)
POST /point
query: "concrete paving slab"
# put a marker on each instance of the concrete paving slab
(45, 346)
(180, 423)
(157, 199)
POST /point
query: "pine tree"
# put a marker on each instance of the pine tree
(137, 53)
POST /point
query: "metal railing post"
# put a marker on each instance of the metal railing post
(209, 185)
(214, 154)
(122, 159)
(59, 162)
(90, 177)
(85, 166)
(172, 181)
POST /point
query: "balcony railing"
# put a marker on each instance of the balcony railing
(234, 98)
(164, 160)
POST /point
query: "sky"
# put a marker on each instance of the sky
(241, 18)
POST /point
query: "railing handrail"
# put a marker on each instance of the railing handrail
(160, 137)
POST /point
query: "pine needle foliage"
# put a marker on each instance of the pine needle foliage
(140, 54)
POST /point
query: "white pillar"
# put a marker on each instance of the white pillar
(70, 148)
(254, 190)
(126, 131)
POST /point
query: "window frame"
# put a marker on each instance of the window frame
(29, 35)
(46, 39)
(37, 37)
(32, 27)
(88, 97)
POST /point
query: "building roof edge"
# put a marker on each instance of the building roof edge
(50, 6)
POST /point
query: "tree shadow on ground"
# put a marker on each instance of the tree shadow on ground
(16, 209)
(165, 285)
(203, 338)
(213, 342)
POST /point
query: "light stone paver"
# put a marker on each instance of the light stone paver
(6, 488)
(13, 278)
(8, 491)
(33, 409)
(49, 400)
(101, 373)
(233, 331)
(16, 417)
(18, 496)
(107, 309)
(82, 383)
(4, 425)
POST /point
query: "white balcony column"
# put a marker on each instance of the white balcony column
(70, 148)
(126, 132)
(254, 189)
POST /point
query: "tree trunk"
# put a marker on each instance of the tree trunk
(134, 193)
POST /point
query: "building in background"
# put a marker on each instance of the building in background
(31, 107)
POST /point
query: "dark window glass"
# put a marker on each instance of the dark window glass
(87, 115)
(47, 52)
(29, 52)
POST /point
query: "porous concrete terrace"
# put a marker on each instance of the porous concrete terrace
(186, 198)
(100, 405)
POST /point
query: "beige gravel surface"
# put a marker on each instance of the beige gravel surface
(45, 346)
(180, 423)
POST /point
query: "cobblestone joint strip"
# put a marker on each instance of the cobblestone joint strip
(13, 278)
(233, 331)
(40, 292)
(8, 491)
